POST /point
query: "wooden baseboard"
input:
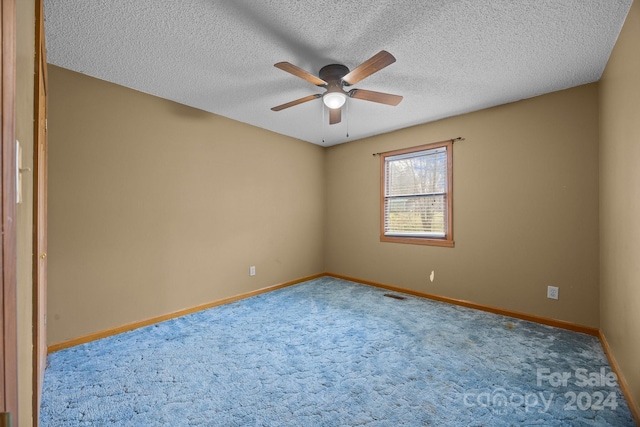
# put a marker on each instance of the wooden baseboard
(142, 323)
(510, 313)
(624, 387)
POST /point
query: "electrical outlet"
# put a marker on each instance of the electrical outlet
(552, 292)
(252, 270)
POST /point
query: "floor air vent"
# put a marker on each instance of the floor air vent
(394, 296)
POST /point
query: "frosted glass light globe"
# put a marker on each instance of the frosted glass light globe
(334, 99)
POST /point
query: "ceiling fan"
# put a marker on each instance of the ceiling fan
(335, 77)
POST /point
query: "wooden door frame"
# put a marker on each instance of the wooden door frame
(39, 213)
(8, 260)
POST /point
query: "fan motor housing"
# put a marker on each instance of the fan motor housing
(333, 73)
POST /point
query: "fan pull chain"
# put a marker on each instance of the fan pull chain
(323, 123)
(347, 111)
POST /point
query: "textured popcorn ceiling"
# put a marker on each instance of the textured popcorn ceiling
(452, 56)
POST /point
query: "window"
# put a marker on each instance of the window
(417, 195)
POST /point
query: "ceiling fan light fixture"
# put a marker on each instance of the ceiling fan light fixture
(334, 77)
(334, 99)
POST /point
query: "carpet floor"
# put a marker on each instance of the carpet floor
(329, 352)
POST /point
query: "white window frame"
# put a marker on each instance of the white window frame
(422, 238)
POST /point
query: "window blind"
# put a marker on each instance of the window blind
(415, 194)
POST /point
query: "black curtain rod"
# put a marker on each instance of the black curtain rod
(416, 146)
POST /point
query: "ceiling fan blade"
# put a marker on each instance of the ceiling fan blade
(297, 101)
(380, 97)
(299, 72)
(370, 66)
(335, 115)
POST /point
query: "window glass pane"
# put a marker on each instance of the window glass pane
(425, 173)
(416, 216)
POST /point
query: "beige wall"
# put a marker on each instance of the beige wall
(25, 68)
(525, 209)
(156, 207)
(620, 201)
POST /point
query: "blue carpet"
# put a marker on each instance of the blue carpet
(334, 353)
